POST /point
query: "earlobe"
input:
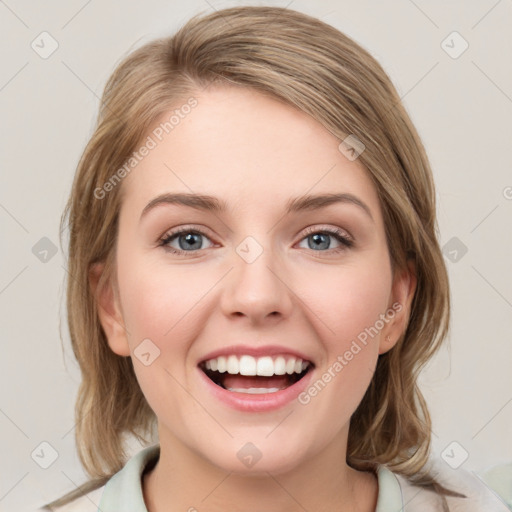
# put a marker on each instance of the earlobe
(387, 344)
(109, 311)
(404, 288)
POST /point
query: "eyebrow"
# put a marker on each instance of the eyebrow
(211, 203)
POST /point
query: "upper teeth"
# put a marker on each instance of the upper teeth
(264, 366)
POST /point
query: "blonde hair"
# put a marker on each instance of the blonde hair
(310, 65)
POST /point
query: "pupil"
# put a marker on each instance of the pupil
(190, 241)
(316, 238)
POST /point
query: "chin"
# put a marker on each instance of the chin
(259, 456)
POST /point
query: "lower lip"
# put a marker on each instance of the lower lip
(258, 402)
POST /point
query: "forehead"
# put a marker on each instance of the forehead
(247, 149)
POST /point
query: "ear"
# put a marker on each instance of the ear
(109, 311)
(399, 308)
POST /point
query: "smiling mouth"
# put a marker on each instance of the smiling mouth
(250, 375)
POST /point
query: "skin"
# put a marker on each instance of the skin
(255, 154)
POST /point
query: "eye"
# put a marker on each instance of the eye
(320, 239)
(190, 240)
(187, 239)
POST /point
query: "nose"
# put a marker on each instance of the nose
(257, 290)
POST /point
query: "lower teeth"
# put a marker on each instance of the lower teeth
(254, 391)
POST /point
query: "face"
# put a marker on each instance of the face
(255, 315)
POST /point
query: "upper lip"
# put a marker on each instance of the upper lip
(261, 351)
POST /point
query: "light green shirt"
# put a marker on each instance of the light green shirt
(492, 493)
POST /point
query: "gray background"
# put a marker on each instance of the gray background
(461, 106)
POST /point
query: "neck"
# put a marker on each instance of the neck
(183, 481)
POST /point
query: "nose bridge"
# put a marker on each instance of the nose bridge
(256, 286)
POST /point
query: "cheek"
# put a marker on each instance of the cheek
(160, 302)
(343, 375)
(349, 300)
(162, 305)
(347, 316)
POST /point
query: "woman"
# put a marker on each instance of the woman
(255, 272)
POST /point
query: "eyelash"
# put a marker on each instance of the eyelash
(338, 234)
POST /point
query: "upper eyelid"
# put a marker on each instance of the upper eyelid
(185, 229)
(331, 230)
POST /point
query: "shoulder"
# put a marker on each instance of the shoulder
(499, 479)
(89, 502)
(122, 491)
(482, 495)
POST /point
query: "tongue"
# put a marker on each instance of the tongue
(246, 382)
